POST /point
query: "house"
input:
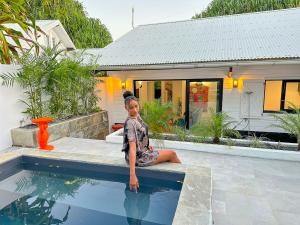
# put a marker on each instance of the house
(247, 65)
(53, 34)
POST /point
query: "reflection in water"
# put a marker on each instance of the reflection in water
(33, 211)
(136, 206)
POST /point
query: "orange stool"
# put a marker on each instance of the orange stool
(43, 133)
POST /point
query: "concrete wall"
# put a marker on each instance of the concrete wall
(235, 100)
(10, 108)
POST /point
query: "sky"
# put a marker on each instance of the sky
(116, 14)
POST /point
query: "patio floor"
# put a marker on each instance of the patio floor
(246, 191)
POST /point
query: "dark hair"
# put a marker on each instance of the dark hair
(128, 95)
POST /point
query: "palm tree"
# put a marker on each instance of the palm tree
(12, 11)
(217, 126)
(290, 122)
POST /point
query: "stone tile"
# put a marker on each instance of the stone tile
(246, 191)
(284, 218)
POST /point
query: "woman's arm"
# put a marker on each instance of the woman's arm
(133, 183)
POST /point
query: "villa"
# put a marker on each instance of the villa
(246, 65)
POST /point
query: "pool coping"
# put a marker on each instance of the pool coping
(195, 200)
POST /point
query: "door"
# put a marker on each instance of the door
(203, 96)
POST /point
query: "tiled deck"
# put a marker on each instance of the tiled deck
(246, 191)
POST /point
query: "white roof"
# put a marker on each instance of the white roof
(251, 36)
(46, 26)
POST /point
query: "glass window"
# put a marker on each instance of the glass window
(292, 95)
(281, 95)
(273, 95)
(173, 91)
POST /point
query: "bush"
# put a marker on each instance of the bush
(158, 117)
(290, 122)
(217, 126)
(56, 88)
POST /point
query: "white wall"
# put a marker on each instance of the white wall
(235, 100)
(10, 108)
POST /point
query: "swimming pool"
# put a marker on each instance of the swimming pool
(48, 191)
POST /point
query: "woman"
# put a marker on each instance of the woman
(136, 146)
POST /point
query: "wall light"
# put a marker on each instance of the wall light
(235, 83)
(140, 84)
(123, 84)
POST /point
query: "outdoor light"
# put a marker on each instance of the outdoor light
(123, 84)
(235, 83)
(140, 83)
(229, 74)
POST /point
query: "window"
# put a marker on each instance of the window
(280, 94)
(173, 91)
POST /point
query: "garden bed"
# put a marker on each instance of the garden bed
(92, 126)
(266, 153)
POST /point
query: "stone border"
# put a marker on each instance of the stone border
(195, 200)
(93, 126)
(213, 148)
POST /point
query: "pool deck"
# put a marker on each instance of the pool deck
(245, 191)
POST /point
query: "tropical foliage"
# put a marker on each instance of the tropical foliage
(157, 116)
(229, 7)
(57, 88)
(290, 122)
(216, 126)
(13, 11)
(85, 32)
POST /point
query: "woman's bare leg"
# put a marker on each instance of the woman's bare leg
(167, 156)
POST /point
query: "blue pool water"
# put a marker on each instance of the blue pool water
(48, 193)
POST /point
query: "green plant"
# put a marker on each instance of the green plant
(57, 88)
(33, 78)
(85, 32)
(216, 126)
(180, 133)
(228, 7)
(158, 117)
(290, 122)
(256, 142)
(13, 11)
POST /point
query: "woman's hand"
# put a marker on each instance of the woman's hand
(151, 148)
(133, 183)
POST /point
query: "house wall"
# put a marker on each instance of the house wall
(235, 100)
(10, 108)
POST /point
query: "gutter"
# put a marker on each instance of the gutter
(200, 65)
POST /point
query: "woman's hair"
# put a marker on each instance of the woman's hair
(128, 95)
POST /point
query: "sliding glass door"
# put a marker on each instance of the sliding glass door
(203, 96)
(191, 99)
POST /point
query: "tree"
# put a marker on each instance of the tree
(85, 32)
(229, 7)
(13, 11)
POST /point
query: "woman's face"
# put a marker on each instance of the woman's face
(133, 108)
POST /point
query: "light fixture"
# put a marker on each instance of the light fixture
(140, 84)
(235, 83)
(123, 84)
(229, 74)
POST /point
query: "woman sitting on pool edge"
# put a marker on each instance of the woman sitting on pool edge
(136, 146)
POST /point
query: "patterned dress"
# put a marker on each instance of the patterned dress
(135, 130)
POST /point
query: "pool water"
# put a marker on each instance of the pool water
(51, 194)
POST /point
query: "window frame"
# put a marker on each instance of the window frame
(282, 98)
